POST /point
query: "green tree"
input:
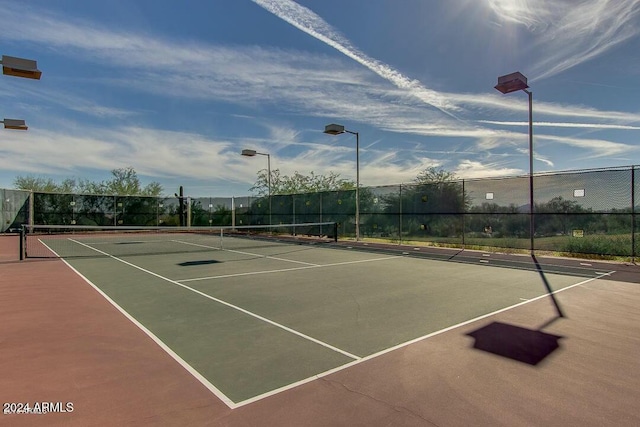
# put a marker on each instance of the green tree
(433, 175)
(298, 183)
(125, 182)
(559, 216)
(45, 185)
(118, 201)
(432, 206)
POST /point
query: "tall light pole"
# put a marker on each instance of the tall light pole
(511, 83)
(251, 153)
(334, 129)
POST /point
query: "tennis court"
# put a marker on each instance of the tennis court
(252, 316)
(300, 329)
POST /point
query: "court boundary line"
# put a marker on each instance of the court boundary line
(510, 264)
(413, 341)
(190, 369)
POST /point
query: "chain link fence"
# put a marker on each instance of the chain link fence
(590, 212)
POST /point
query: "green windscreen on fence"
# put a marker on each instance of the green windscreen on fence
(582, 212)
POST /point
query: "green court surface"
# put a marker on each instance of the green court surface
(254, 321)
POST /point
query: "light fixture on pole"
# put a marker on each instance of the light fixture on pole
(14, 124)
(511, 83)
(334, 129)
(20, 67)
(251, 153)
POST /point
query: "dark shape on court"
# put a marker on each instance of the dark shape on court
(515, 342)
(200, 262)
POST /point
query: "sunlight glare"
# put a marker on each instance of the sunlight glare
(530, 13)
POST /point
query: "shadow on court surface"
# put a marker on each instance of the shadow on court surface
(515, 342)
(547, 286)
(200, 262)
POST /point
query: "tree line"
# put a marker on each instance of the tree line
(124, 182)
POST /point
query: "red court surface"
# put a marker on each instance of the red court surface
(62, 342)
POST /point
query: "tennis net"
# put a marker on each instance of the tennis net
(68, 241)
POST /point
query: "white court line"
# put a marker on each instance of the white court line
(244, 253)
(281, 270)
(213, 389)
(413, 341)
(235, 307)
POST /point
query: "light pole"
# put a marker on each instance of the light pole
(251, 153)
(334, 129)
(512, 83)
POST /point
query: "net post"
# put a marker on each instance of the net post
(335, 232)
(23, 237)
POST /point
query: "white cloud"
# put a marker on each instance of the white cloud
(594, 147)
(470, 169)
(571, 32)
(563, 125)
(298, 83)
(306, 20)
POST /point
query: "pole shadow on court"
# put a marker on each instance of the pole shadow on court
(530, 346)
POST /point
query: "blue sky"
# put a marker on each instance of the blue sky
(177, 89)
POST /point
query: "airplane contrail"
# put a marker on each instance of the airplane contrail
(308, 21)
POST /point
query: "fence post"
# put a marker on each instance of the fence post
(233, 211)
(23, 236)
(32, 205)
(188, 219)
(633, 214)
(464, 213)
(400, 215)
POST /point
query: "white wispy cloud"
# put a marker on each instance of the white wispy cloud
(592, 147)
(298, 82)
(251, 74)
(308, 21)
(121, 147)
(533, 14)
(563, 125)
(470, 169)
(571, 32)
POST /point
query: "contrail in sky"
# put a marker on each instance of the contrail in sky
(306, 20)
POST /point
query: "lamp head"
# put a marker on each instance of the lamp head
(511, 82)
(334, 129)
(15, 124)
(19, 67)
